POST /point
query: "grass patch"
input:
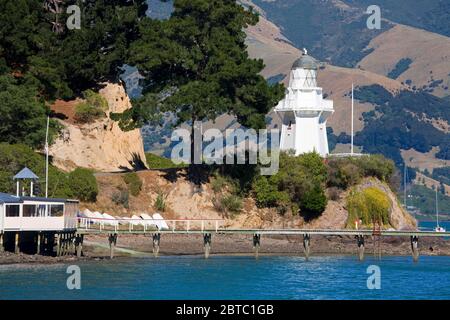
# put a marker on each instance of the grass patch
(157, 162)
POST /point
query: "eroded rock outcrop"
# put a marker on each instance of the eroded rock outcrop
(101, 145)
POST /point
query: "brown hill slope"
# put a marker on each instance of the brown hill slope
(429, 52)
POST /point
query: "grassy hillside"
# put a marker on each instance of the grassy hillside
(337, 35)
(431, 15)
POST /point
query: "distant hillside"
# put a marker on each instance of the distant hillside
(331, 30)
(425, 56)
(430, 15)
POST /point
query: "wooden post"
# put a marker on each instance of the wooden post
(58, 244)
(207, 244)
(415, 248)
(156, 242)
(2, 249)
(72, 243)
(79, 244)
(256, 244)
(38, 243)
(360, 242)
(112, 243)
(63, 244)
(17, 244)
(306, 245)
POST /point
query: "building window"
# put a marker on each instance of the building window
(12, 210)
(29, 210)
(56, 210)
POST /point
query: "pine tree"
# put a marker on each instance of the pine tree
(195, 64)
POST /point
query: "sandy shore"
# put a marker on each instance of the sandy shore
(97, 247)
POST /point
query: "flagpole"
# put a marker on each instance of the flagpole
(351, 151)
(46, 158)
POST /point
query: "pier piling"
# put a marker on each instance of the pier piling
(2, 249)
(17, 243)
(112, 243)
(360, 242)
(256, 244)
(306, 245)
(63, 244)
(79, 245)
(58, 244)
(156, 242)
(207, 244)
(415, 248)
(38, 243)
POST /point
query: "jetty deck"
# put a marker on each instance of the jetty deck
(209, 227)
(70, 240)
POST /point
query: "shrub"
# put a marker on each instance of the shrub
(133, 182)
(313, 202)
(266, 194)
(157, 162)
(334, 194)
(121, 197)
(299, 183)
(160, 202)
(218, 184)
(377, 166)
(346, 172)
(231, 203)
(342, 173)
(84, 185)
(370, 205)
(92, 108)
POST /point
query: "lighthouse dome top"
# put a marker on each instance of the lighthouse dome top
(305, 62)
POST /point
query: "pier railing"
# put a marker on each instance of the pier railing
(148, 225)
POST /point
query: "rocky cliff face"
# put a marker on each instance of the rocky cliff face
(101, 145)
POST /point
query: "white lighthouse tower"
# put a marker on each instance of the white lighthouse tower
(304, 111)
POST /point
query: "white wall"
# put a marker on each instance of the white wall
(1, 216)
(34, 223)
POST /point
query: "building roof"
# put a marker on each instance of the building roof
(7, 198)
(305, 62)
(26, 173)
(43, 199)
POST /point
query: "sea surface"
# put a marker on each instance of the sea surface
(430, 225)
(233, 277)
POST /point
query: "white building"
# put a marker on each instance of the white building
(37, 214)
(304, 111)
(28, 213)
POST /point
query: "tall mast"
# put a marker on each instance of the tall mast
(437, 210)
(46, 158)
(351, 150)
(404, 186)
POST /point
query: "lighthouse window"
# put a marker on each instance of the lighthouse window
(12, 210)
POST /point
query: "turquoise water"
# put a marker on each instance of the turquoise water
(233, 277)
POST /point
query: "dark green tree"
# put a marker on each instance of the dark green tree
(23, 117)
(66, 63)
(38, 65)
(195, 64)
